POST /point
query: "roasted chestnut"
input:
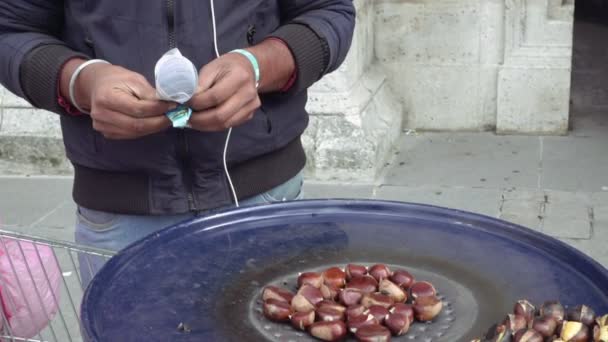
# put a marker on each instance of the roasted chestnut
(380, 271)
(390, 289)
(335, 277)
(355, 323)
(377, 299)
(356, 310)
(574, 332)
(328, 331)
(525, 308)
(515, 322)
(312, 278)
(330, 304)
(500, 333)
(366, 284)
(422, 289)
(302, 320)
(404, 309)
(277, 310)
(350, 297)
(600, 333)
(299, 303)
(583, 314)
(602, 320)
(402, 278)
(427, 308)
(553, 309)
(353, 271)
(329, 291)
(275, 292)
(546, 326)
(397, 323)
(329, 314)
(379, 312)
(311, 293)
(528, 335)
(373, 333)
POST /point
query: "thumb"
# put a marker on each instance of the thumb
(208, 76)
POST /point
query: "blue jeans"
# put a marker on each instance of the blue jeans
(115, 231)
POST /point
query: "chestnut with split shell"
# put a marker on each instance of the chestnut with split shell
(377, 299)
(302, 320)
(379, 312)
(516, 322)
(299, 303)
(391, 289)
(365, 284)
(600, 333)
(329, 314)
(574, 332)
(373, 333)
(402, 278)
(405, 309)
(427, 308)
(500, 334)
(422, 289)
(353, 271)
(355, 323)
(525, 308)
(331, 305)
(553, 309)
(275, 292)
(581, 313)
(328, 331)
(602, 320)
(350, 297)
(312, 294)
(329, 292)
(546, 326)
(356, 310)
(277, 310)
(312, 278)
(528, 335)
(397, 323)
(380, 271)
(334, 276)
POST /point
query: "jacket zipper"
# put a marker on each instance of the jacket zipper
(182, 139)
(171, 22)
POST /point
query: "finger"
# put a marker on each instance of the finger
(135, 98)
(136, 126)
(216, 95)
(225, 116)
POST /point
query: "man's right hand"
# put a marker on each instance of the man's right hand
(123, 105)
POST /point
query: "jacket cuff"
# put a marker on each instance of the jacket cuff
(311, 54)
(39, 75)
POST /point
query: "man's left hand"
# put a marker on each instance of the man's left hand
(226, 96)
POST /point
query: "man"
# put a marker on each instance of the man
(134, 173)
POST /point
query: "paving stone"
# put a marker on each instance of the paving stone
(477, 200)
(315, 190)
(466, 159)
(567, 215)
(523, 207)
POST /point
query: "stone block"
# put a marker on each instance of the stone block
(29, 121)
(11, 100)
(46, 153)
(523, 206)
(427, 32)
(533, 101)
(441, 97)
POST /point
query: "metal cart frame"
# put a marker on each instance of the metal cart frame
(65, 325)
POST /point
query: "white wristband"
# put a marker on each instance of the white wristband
(75, 76)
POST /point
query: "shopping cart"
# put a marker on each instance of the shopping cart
(64, 325)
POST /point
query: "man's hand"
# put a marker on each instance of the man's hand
(123, 105)
(227, 94)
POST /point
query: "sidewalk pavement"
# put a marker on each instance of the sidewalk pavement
(555, 185)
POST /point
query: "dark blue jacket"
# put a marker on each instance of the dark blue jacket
(177, 170)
